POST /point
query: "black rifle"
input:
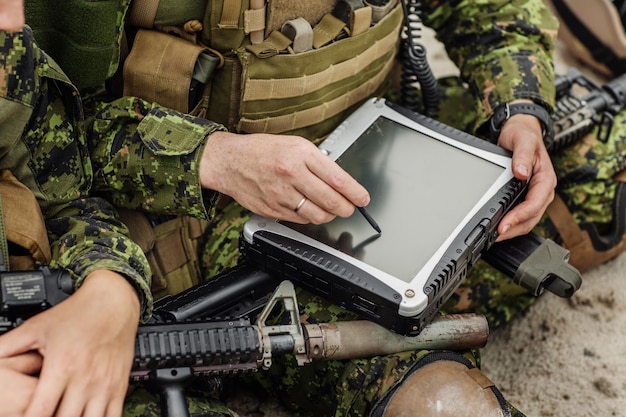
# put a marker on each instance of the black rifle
(581, 105)
(184, 339)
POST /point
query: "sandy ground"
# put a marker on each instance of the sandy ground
(562, 357)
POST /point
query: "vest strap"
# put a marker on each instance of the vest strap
(360, 20)
(326, 30)
(231, 10)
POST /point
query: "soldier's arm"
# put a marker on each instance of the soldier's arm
(504, 53)
(152, 158)
(147, 157)
(42, 144)
(503, 49)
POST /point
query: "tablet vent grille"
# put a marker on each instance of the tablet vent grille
(512, 192)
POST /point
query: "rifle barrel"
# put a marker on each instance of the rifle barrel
(362, 338)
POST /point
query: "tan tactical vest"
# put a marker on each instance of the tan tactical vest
(281, 66)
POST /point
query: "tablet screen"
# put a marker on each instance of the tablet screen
(421, 189)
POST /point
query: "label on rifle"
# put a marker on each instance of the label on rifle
(22, 288)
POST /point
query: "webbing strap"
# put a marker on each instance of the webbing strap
(4, 244)
(360, 20)
(231, 10)
(564, 223)
(315, 114)
(273, 45)
(601, 31)
(254, 20)
(378, 12)
(300, 32)
(260, 89)
(326, 30)
(142, 13)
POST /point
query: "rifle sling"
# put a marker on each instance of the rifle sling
(4, 245)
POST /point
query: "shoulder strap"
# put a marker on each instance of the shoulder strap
(4, 244)
(593, 31)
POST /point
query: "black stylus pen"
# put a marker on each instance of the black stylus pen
(369, 219)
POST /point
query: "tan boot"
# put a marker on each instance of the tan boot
(445, 388)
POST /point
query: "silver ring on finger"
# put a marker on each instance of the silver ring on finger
(300, 204)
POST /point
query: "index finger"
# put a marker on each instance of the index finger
(337, 178)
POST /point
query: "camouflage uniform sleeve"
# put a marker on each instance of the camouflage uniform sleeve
(502, 48)
(147, 157)
(42, 142)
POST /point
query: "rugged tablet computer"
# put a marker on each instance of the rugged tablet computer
(437, 194)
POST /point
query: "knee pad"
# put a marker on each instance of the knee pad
(443, 384)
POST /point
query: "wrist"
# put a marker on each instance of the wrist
(115, 289)
(505, 111)
(210, 171)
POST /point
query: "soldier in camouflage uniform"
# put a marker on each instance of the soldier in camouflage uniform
(521, 69)
(151, 158)
(82, 349)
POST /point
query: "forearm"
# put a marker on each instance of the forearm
(43, 146)
(86, 237)
(503, 49)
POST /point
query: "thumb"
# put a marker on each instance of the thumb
(28, 363)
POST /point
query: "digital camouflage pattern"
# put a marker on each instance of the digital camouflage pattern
(221, 248)
(586, 175)
(42, 142)
(143, 403)
(147, 157)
